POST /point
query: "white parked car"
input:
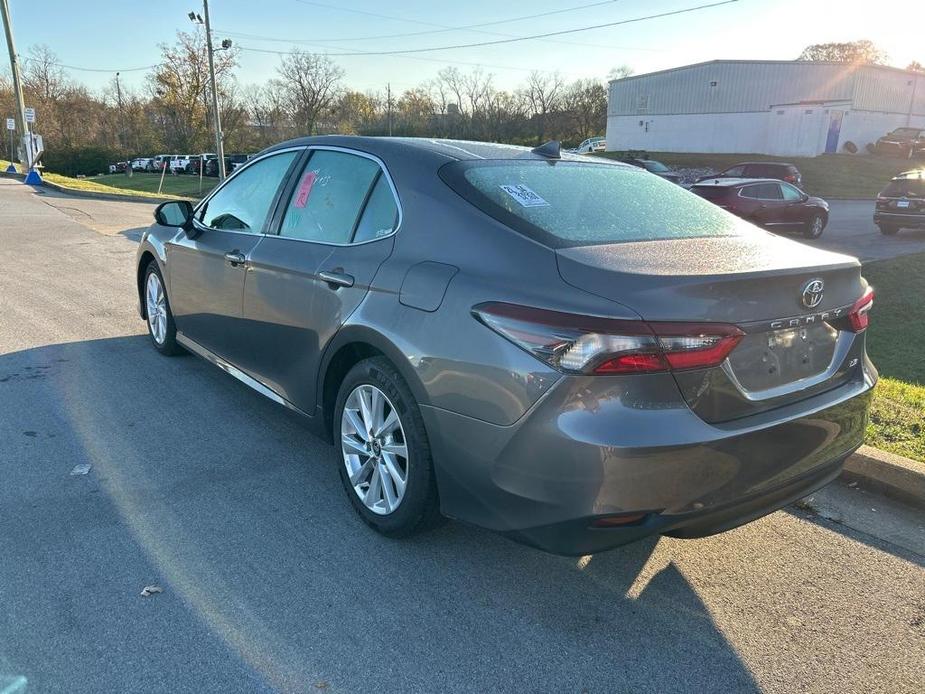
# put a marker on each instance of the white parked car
(592, 144)
(140, 164)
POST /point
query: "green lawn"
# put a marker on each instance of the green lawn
(828, 175)
(144, 183)
(183, 186)
(895, 342)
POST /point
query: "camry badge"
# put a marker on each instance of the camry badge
(812, 293)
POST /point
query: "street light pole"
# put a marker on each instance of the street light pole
(216, 118)
(20, 114)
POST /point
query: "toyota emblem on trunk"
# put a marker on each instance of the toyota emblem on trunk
(812, 293)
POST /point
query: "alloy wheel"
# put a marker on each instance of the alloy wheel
(817, 227)
(375, 449)
(156, 304)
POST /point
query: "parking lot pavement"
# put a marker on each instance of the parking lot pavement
(270, 582)
(852, 230)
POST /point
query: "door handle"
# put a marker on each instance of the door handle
(336, 279)
(235, 257)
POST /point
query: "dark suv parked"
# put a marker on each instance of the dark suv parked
(760, 169)
(902, 203)
(776, 205)
(902, 142)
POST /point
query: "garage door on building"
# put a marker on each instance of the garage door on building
(805, 129)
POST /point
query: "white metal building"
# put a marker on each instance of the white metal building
(787, 108)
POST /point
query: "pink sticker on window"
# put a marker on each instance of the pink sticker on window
(305, 189)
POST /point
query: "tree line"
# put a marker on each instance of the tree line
(307, 94)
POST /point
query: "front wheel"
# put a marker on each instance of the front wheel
(814, 227)
(888, 229)
(161, 328)
(385, 462)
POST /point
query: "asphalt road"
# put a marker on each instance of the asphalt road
(270, 582)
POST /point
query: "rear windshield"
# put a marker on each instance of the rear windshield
(654, 166)
(909, 188)
(566, 203)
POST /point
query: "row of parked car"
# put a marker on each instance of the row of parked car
(770, 195)
(181, 163)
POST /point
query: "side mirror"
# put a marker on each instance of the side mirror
(175, 213)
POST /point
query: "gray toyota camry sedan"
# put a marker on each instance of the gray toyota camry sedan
(569, 351)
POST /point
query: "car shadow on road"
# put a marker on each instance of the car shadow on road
(133, 234)
(205, 488)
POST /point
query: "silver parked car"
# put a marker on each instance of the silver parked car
(572, 352)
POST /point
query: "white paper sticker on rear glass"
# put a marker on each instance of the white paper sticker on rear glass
(524, 196)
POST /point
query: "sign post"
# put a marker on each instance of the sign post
(11, 126)
(33, 177)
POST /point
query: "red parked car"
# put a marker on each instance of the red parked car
(775, 205)
(782, 171)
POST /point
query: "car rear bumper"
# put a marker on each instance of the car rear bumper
(900, 219)
(599, 447)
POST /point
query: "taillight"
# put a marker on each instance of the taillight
(576, 343)
(859, 316)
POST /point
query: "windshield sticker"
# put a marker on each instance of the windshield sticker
(305, 189)
(524, 196)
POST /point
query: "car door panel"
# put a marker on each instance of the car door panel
(206, 288)
(291, 312)
(207, 267)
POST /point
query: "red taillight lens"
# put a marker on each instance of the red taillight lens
(859, 316)
(594, 345)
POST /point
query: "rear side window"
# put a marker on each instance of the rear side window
(735, 172)
(766, 171)
(329, 196)
(380, 216)
(712, 193)
(762, 191)
(568, 203)
(905, 188)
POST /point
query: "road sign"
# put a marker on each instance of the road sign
(30, 115)
(10, 124)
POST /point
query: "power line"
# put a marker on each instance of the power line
(95, 69)
(443, 28)
(515, 39)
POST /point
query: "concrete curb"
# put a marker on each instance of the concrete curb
(64, 190)
(891, 474)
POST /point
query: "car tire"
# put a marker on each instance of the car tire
(161, 328)
(370, 394)
(888, 229)
(814, 227)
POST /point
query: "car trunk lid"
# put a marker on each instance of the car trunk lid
(791, 349)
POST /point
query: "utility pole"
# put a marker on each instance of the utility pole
(121, 115)
(20, 114)
(388, 104)
(216, 118)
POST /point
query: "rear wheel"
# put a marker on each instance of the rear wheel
(888, 229)
(385, 461)
(814, 227)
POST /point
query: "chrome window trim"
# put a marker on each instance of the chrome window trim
(228, 179)
(388, 178)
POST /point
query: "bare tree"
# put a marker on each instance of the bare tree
(585, 103)
(542, 93)
(310, 85)
(916, 66)
(619, 72)
(43, 75)
(180, 87)
(864, 52)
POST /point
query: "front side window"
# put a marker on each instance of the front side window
(572, 203)
(791, 194)
(243, 203)
(330, 199)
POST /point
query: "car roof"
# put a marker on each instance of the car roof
(730, 182)
(906, 175)
(761, 163)
(439, 151)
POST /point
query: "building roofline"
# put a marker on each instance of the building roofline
(722, 61)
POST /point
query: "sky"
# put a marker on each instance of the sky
(118, 35)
